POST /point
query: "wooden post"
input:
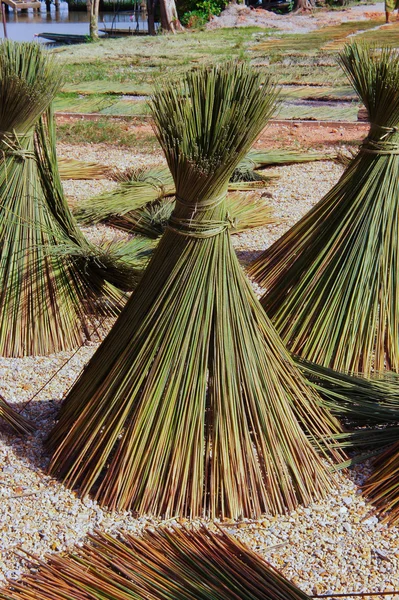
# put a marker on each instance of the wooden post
(3, 18)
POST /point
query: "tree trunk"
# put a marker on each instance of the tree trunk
(169, 19)
(304, 5)
(94, 7)
(151, 16)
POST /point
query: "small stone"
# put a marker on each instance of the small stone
(371, 521)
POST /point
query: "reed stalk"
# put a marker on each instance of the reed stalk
(382, 487)
(17, 422)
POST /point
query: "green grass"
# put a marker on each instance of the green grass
(107, 131)
(76, 103)
(127, 108)
(342, 112)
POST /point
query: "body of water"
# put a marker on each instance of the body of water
(24, 26)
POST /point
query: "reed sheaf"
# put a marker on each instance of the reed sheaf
(192, 405)
(52, 281)
(14, 419)
(165, 564)
(331, 282)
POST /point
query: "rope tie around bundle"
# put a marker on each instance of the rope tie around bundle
(194, 227)
(381, 146)
(12, 145)
(197, 229)
(375, 128)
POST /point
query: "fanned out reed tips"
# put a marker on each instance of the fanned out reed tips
(165, 564)
(369, 408)
(18, 423)
(143, 201)
(70, 168)
(51, 279)
(106, 268)
(331, 280)
(192, 405)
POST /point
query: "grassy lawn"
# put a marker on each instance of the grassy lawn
(107, 131)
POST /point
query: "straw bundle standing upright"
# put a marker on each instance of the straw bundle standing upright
(51, 277)
(192, 406)
(332, 279)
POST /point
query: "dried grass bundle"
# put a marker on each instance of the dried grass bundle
(331, 280)
(165, 564)
(192, 405)
(52, 281)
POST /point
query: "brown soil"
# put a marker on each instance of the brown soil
(295, 136)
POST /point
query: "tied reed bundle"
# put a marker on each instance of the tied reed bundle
(165, 564)
(331, 280)
(192, 405)
(51, 279)
(38, 312)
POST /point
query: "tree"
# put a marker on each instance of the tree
(302, 5)
(169, 19)
(92, 9)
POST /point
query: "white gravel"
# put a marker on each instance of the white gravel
(337, 545)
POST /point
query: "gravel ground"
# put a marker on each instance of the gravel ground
(335, 545)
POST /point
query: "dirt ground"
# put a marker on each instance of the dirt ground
(307, 135)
